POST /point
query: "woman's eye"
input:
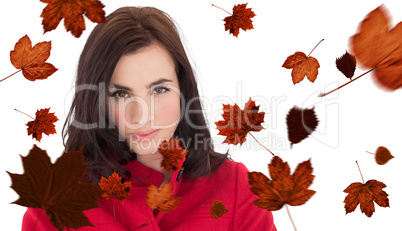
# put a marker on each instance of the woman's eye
(119, 94)
(159, 90)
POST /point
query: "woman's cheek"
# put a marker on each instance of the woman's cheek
(167, 112)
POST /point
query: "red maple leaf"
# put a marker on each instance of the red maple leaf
(72, 11)
(238, 123)
(113, 188)
(43, 123)
(241, 18)
(172, 152)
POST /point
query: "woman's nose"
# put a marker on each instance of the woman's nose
(137, 112)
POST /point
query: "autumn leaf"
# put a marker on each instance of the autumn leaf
(377, 46)
(346, 64)
(302, 66)
(172, 152)
(218, 209)
(238, 123)
(382, 155)
(241, 18)
(72, 11)
(282, 188)
(56, 188)
(113, 188)
(43, 123)
(32, 60)
(365, 195)
(301, 123)
(162, 199)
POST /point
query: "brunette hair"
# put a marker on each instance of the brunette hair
(128, 29)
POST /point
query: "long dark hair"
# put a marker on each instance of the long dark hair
(127, 30)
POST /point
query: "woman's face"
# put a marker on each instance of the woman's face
(144, 98)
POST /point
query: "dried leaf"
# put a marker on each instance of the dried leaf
(302, 66)
(72, 11)
(113, 188)
(282, 188)
(365, 195)
(346, 64)
(218, 209)
(43, 123)
(301, 123)
(32, 60)
(241, 18)
(162, 199)
(172, 152)
(374, 41)
(56, 188)
(382, 155)
(238, 123)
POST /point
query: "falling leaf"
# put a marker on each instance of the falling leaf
(241, 18)
(382, 155)
(365, 195)
(56, 188)
(32, 60)
(282, 188)
(302, 66)
(218, 209)
(301, 123)
(72, 11)
(375, 41)
(113, 188)
(238, 123)
(162, 199)
(43, 123)
(172, 152)
(346, 64)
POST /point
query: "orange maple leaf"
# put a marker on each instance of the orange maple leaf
(365, 195)
(376, 46)
(302, 66)
(282, 188)
(172, 152)
(43, 123)
(218, 209)
(238, 123)
(241, 18)
(72, 11)
(113, 188)
(31, 60)
(162, 199)
(56, 188)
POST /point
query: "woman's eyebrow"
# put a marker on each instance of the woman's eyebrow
(159, 81)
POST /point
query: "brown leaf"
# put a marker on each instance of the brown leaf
(346, 64)
(302, 66)
(382, 155)
(72, 11)
(43, 123)
(301, 123)
(241, 18)
(282, 188)
(365, 195)
(56, 188)
(238, 123)
(373, 42)
(218, 209)
(162, 199)
(113, 188)
(172, 152)
(32, 61)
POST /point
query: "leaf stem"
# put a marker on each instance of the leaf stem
(37, 219)
(24, 113)
(114, 212)
(153, 160)
(11, 75)
(290, 216)
(222, 9)
(375, 66)
(262, 145)
(370, 153)
(315, 47)
(360, 171)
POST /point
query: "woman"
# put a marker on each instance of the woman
(135, 87)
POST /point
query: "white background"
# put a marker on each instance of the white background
(357, 118)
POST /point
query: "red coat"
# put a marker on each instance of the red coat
(228, 184)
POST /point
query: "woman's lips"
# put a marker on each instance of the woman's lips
(144, 135)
